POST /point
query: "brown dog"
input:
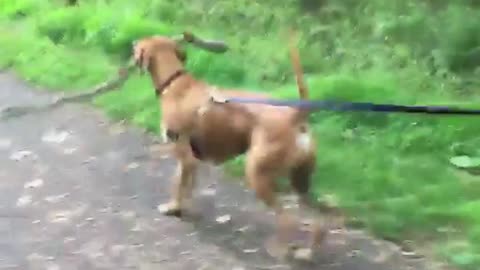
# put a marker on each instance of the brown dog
(276, 140)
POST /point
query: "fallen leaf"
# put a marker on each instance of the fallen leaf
(19, 155)
(465, 162)
(55, 136)
(224, 219)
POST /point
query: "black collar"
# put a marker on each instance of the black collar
(159, 89)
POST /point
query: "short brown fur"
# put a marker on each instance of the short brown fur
(275, 139)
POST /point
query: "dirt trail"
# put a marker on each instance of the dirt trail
(78, 192)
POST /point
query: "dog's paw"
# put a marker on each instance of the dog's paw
(169, 209)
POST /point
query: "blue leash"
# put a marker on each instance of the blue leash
(325, 105)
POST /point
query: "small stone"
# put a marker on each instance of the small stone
(304, 254)
(353, 253)
(68, 239)
(250, 251)
(24, 200)
(137, 245)
(36, 221)
(224, 219)
(89, 160)
(81, 224)
(166, 156)
(127, 214)
(56, 198)
(55, 137)
(208, 192)
(243, 229)
(69, 151)
(131, 166)
(35, 257)
(165, 208)
(59, 217)
(105, 210)
(412, 255)
(34, 183)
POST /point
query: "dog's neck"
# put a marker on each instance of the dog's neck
(159, 89)
(164, 70)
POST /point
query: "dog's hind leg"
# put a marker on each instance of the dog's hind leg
(300, 179)
(183, 181)
(261, 178)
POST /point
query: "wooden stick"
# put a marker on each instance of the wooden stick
(109, 85)
(216, 46)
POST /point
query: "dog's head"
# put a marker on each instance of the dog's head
(144, 49)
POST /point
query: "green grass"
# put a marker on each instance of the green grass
(390, 172)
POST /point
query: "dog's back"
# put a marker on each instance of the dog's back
(225, 131)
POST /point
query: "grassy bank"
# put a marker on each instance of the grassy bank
(390, 172)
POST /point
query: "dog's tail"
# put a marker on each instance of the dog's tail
(302, 87)
(297, 67)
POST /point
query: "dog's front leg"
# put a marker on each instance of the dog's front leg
(183, 181)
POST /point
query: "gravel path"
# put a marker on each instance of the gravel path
(80, 192)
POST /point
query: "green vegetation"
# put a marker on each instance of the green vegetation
(390, 172)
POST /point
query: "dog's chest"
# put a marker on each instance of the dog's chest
(178, 116)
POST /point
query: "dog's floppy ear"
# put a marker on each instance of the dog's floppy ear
(181, 53)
